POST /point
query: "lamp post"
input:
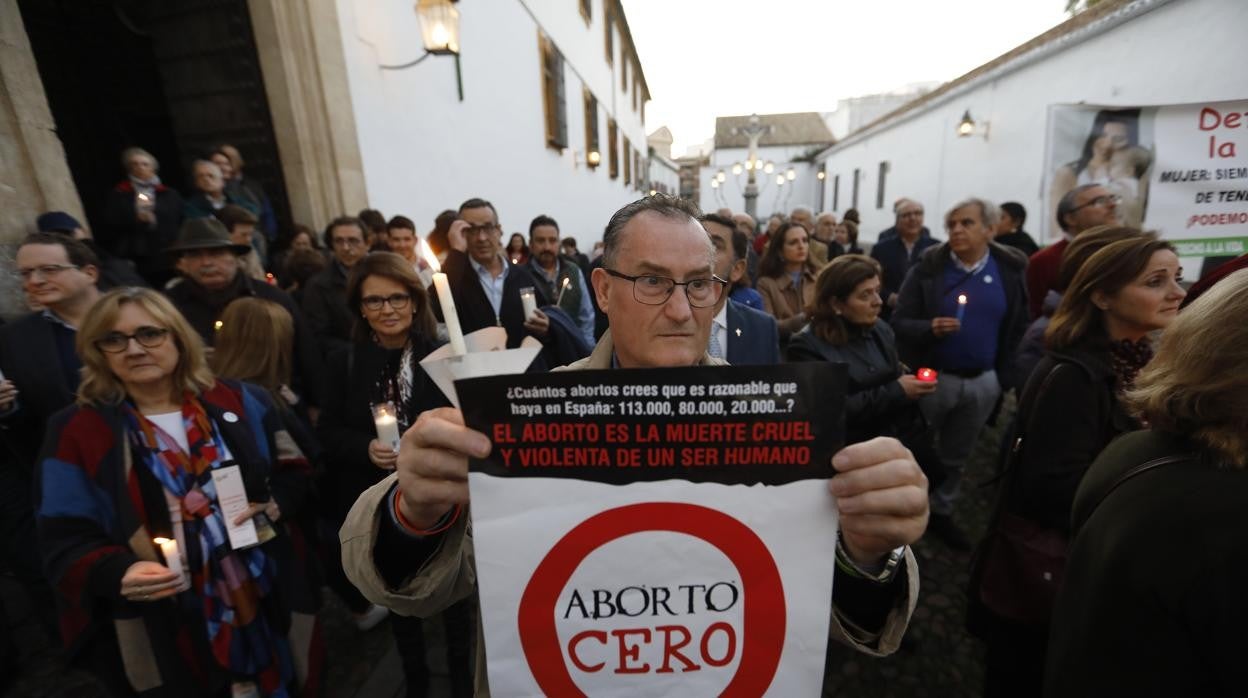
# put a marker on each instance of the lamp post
(754, 130)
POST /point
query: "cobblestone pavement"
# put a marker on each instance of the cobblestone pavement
(937, 659)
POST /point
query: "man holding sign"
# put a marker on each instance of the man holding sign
(406, 544)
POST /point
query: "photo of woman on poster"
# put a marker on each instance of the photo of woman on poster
(1113, 157)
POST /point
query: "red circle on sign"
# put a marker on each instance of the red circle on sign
(763, 621)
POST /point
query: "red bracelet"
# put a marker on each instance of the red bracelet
(407, 526)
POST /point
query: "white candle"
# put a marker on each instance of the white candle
(961, 306)
(529, 298)
(563, 288)
(387, 425)
(446, 300)
(173, 559)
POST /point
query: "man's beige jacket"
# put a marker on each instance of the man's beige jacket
(450, 574)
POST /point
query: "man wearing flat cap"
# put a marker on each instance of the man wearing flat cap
(209, 264)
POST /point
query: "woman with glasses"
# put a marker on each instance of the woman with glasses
(394, 329)
(786, 278)
(161, 499)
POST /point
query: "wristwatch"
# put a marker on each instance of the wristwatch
(882, 576)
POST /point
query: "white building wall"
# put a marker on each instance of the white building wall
(425, 151)
(664, 175)
(771, 197)
(1183, 51)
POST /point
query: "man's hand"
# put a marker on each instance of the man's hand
(8, 393)
(538, 325)
(942, 326)
(882, 497)
(455, 235)
(433, 465)
(382, 455)
(268, 508)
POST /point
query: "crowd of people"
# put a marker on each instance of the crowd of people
(190, 348)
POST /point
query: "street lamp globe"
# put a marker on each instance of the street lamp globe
(769, 167)
(720, 176)
(736, 168)
(791, 174)
(780, 180)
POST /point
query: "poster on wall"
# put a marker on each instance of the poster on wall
(1181, 170)
(658, 531)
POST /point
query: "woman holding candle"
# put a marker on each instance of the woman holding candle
(141, 457)
(786, 278)
(844, 328)
(1097, 341)
(393, 332)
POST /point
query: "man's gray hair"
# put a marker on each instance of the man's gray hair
(901, 202)
(989, 214)
(131, 152)
(1066, 205)
(802, 209)
(205, 163)
(664, 205)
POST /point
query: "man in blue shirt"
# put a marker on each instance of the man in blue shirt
(561, 277)
(971, 344)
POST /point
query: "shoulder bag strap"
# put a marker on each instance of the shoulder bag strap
(1139, 470)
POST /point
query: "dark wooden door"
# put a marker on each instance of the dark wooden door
(175, 77)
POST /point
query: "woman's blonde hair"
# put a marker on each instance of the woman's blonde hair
(100, 386)
(1198, 382)
(254, 344)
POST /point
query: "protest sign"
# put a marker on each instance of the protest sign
(1181, 170)
(656, 532)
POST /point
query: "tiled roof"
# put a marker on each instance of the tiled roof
(802, 128)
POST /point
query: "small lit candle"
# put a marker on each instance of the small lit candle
(529, 298)
(271, 279)
(173, 559)
(926, 375)
(446, 300)
(562, 288)
(384, 416)
(961, 306)
(216, 326)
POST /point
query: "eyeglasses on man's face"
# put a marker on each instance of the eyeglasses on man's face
(483, 229)
(147, 337)
(1105, 200)
(348, 242)
(649, 289)
(45, 270)
(398, 301)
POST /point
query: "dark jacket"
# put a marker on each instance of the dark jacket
(473, 306)
(895, 263)
(98, 510)
(202, 309)
(197, 204)
(325, 306)
(1067, 414)
(1019, 240)
(123, 236)
(346, 425)
(29, 358)
(920, 298)
(1153, 603)
(874, 399)
(753, 339)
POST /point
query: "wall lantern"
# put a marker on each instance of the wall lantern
(439, 29)
(820, 175)
(594, 158)
(968, 127)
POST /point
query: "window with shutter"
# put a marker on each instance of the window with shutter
(553, 96)
(609, 24)
(628, 162)
(591, 131)
(587, 10)
(613, 153)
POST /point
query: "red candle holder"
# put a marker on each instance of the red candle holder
(926, 375)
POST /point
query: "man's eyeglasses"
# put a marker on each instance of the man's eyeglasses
(348, 242)
(148, 337)
(1106, 200)
(398, 301)
(45, 270)
(485, 229)
(655, 290)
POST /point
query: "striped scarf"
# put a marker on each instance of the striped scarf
(227, 585)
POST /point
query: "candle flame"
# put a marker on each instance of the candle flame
(430, 257)
(216, 326)
(566, 281)
(161, 541)
(962, 299)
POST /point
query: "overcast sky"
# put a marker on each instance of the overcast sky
(708, 58)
